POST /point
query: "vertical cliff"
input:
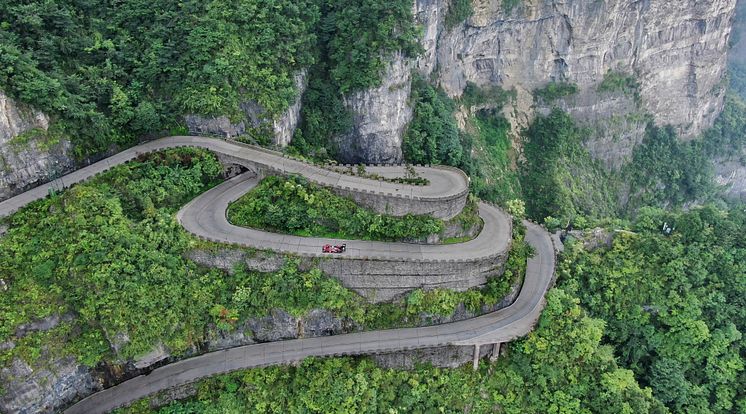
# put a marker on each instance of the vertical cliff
(29, 154)
(380, 117)
(675, 50)
(280, 127)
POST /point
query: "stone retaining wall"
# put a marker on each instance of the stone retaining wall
(378, 280)
(444, 208)
(393, 204)
(384, 280)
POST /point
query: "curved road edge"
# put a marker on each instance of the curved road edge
(445, 183)
(501, 326)
(205, 217)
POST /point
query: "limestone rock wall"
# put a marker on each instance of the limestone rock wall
(28, 157)
(281, 127)
(380, 117)
(676, 49)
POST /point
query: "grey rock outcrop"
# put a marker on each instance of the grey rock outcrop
(42, 325)
(676, 50)
(282, 127)
(220, 339)
(380, 117)
(157, 354)
(731, 175)
(276, 326)
(28, 156)
(44, 387)
(321, 322)
(227, 259)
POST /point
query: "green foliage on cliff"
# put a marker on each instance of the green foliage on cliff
(667, 171)
(558, 176)
(494, 177)
(458, 12)
(433, 136)
(620, 82)
(560, 368)
(727, 138)
(112, 74)
(110, 252)
(494, 97)
(556, 90)
(560, 179)
(297, 207)
(674, 304)
(484, 150)
(356, 40)
(509, 5)
(359, 35)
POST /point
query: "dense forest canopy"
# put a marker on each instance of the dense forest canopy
(113, 74)
(651, 322)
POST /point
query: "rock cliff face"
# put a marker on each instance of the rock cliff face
(380, 117)
(281, 127)
(676, 50)
(28, 156)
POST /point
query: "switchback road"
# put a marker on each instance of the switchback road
(205, 217)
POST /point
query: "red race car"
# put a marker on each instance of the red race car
(328, 248)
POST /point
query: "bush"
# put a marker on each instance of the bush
(433, 136)
(556, 90)
(294, 206)
(458, 12)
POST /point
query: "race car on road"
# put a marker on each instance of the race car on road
(328, 248)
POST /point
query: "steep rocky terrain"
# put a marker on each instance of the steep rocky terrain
(280, 128)
(675, 50)
(731, 170)
(28, 156)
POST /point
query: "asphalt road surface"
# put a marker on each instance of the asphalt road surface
(205, 217)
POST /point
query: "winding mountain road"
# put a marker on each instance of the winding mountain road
(205, 217)
(444, 182)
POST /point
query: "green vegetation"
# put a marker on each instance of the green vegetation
(458, 12)
(620, 82)
(356, 40)
(509, 5)
(558, 177)
(496, 178)
(110, 252)
(297, 207)
(666, 171)
(652, 324)
(111, 74)
(560, 368)
(485, 152)
(728, 136)
(433, 136)
(673, 304)
(493, 96)
(556, 90)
